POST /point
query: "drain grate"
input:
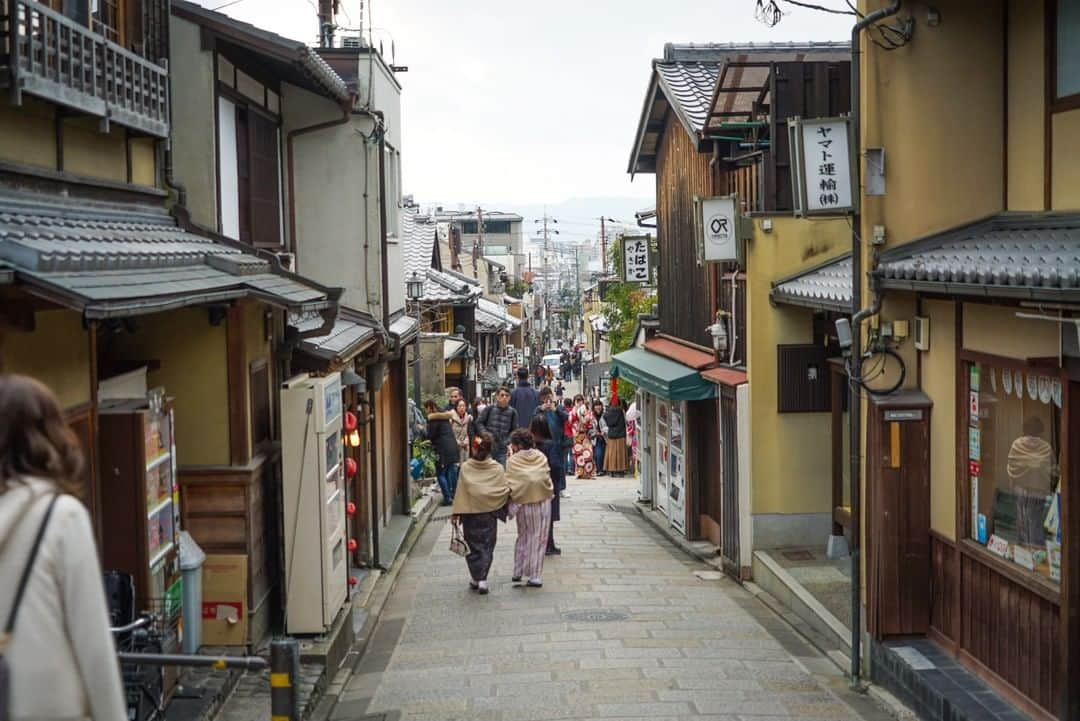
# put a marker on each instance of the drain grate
(798, 555)
(597, 615)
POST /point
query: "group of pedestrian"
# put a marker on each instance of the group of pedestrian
(599, 438)
(489, 493)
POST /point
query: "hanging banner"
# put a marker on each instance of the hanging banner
(719, 229)
(636, 266)
(823, 181)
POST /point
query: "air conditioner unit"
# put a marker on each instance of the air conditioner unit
(352, 41)
(287, 260)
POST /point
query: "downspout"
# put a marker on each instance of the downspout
(346, 113)
(858, 315)
(384, 242)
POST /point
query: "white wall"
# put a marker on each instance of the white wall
(227, 162)
(192, 86)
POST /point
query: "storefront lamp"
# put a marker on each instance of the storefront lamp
(718, 331)
(414, 287)
(353, 439)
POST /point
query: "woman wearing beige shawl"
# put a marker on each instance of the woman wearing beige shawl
(479, 504)
(529, 478)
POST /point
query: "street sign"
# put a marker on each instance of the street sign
(719, 229)
(636, 265)
(824, 166)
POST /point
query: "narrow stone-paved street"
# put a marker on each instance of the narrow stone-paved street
(623, 628)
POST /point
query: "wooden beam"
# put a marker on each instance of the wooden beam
(1070, 559)
(239, 451)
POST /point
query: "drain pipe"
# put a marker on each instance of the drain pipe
(858, 315)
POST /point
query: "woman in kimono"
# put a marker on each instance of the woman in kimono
(479, 504)
(584, 429)
(529, 477)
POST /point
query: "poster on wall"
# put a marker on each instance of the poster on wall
(974, 448)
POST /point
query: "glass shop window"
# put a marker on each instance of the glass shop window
(1014, 461)
(1067, 62)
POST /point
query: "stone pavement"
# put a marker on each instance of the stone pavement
(625, 627)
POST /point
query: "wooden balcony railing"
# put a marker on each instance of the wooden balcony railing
(54, 58)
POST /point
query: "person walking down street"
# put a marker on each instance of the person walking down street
(478, 406)
(633, 418)
(61, 656)
(548, 428)
(549, 375)
(499, 419)
(568, 433)
(616, 459)
(445, 445)
(540, 373)
(584, 428)
(524, 399)
(454, 395)
(599, 436)
(559, 390)
(464, 427)
(481, 502)
(531, 491)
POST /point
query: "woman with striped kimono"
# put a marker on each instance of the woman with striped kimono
(529, 477)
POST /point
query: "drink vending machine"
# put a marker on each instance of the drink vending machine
(316, 561)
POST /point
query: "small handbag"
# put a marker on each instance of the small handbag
(457, 545)
(5, 636)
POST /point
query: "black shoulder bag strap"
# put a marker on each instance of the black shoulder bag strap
(5, 636)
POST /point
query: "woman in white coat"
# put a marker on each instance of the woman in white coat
(60, 651)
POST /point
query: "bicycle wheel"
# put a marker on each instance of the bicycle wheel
(882, 372)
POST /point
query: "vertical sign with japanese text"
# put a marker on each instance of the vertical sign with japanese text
(636, 267)
(826, 166)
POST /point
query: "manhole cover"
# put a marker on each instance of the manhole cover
(595, 616)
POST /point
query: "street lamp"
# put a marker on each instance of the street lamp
(414, 287)
(718, 331)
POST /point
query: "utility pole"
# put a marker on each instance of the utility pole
(326, 23)
(603, 243)
(546, 269)
(478, 244)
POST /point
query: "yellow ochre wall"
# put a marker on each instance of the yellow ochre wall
(792, 246)
(939, 383)
(256, 346)
(192, 371)
(28, 137)
(997, 330)
(936, 107)
(1027, 105)
(1065, 194)
(57, 353)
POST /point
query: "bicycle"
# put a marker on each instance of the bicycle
(144, 685)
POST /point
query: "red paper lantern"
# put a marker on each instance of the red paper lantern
(350, 467)
(353, 580)
(350, 422)
(350, 509)
(352, 545)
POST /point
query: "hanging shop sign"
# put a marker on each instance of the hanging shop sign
(636, 265)
(823, 181)
(719, 231)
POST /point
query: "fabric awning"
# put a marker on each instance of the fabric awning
(662, 377)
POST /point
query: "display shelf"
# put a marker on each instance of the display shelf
(161, 554)
(157, 509)
(158, 461)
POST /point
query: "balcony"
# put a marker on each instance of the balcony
(51, 57)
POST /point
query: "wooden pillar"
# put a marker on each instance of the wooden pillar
(239, 450)
(1070, 560)
(839, 391)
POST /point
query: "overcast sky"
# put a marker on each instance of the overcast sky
(510, 102)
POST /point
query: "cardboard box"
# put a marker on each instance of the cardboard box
(224, 601)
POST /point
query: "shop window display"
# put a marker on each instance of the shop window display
(1014, 461)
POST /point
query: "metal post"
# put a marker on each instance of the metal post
(284, 680)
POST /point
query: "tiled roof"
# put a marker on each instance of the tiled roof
(688, 86)
(492, 317)
(1009, 255)
(442, 287)
(112, 260)
(417, 241)
(352, 332)
(403, 328)
(826, 287)
(687, 356)
(254, 38)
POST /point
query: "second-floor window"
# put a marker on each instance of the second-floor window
(1067, 55)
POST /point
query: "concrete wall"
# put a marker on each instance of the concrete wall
(194, 144)
(335, 168)
(790, 500)
(56, 352)
(194, 372)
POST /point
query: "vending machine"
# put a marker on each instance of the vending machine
(316, 566)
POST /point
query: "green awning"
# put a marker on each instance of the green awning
(662, 377)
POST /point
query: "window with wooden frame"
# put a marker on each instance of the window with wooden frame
(257, 178)
(1014, 455)
(262, 419)
(1065, 57)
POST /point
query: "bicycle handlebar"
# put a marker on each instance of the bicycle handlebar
(136, 624)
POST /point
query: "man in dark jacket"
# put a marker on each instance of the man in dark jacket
(524, 399)
(447, 456)
(556, 418)
(499, 419)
